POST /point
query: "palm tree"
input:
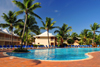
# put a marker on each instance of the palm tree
(11, 20)
(90, 35)
(48, 25)
(94, 28)
(84, 34)
(26, 7)
(63, 32)
(31, 26)
(74, 34)
(19, 29)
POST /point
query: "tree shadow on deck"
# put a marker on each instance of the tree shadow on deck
(36, 62)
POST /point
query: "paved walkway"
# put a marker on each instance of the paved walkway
(6, 61)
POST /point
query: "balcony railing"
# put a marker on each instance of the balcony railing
(2, 38)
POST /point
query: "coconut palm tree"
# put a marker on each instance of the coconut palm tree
(19, 29)
(48, 25)
(31, 26)
(84, 34)
(26, 7)
(90, 35)
(94, 29)
(11, 22)
(63, 32)
(74, 34)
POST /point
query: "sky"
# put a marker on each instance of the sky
(78, 14)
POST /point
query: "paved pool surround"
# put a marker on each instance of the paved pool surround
(9, 61)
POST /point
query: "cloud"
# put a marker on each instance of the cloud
(55, 10)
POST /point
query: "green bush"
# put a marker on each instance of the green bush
(41, 45)
(20, 50)
(58, 45)
(35, 45)
(70, 41)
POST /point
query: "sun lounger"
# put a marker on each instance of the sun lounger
(4, 47)
(23, 46)
(15, 46)
(32, 46)
(11, 46)
(46, 46)
(29, 46)
(8, 47)
(72, 45)
(68, 45)
(19, 46)
(90, 45)
(1, 47)
(64, 45)
(49, 45)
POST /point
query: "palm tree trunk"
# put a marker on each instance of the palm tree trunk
(61, 41)
(93, 37)
(26, 36)
(48, 37)
(24, 30)
(12, 37)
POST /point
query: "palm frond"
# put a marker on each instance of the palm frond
(97, 31)
(56, 31)
(42, 28)
(4, 25)
(29, 3)
(53, 27)
(5, 17)
(43, 23)
(52, 23)
(35, 6)
(34, 28)
(19, 12)
(32, 13)
(19, 20)
(19, 4)
(25, 1)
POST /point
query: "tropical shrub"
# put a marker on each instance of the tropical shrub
(35, 45)
(70, 41)
(20, 50)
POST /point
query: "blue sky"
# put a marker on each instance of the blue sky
(78, 14)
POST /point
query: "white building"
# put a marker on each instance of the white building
(6, 38)
(42, 39)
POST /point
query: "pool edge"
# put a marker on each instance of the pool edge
(90, 57)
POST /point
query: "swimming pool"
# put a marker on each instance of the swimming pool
(57, 54)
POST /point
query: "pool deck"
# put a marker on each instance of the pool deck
(9, 61)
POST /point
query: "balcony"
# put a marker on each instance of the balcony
(8, 39)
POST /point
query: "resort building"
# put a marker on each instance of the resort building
(42, 39)
(5, 38)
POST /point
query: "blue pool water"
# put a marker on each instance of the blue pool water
(56, 53)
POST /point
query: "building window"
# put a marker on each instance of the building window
(38, 37)
(52, 38)
(52, 43)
